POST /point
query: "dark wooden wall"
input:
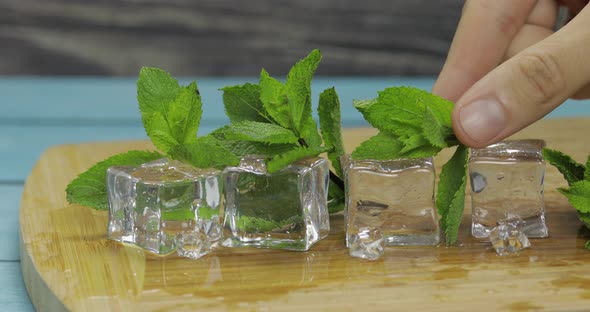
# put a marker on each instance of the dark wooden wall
(224, 37)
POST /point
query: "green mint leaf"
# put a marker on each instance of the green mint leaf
(205, 152)
(310, 133)
(170, 113)
(383, 117)
(155, 90)
(405, 104)
(299, 89)
(587, 169)
(273, 95)
(178, 215)
(569, 168)
(251, 224)
(585, 218)
(242, 148)
(184, 114)
(89, 188)
(258, 132)
(436, 125)
(413, 142)
(450, 196)
(336, 198)
(281, 161)
(422, 151)
(330, 124)
(578, 195)
(379, 147)
(242, 102)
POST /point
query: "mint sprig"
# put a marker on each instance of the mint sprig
(414, 123)
(279, 122)
(578, 179)
(171, 114)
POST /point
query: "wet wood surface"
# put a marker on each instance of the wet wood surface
(68, 263)
(224, 37)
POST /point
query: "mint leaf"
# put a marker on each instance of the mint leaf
(310, 133)
(404, 104)
(578, 195)
(587, 169)
(569, 168)
(329, 112)
(422, 151)
(437, 125)
(155, 89)
(450, 196)
(413, 142)
(184, 114)
(379, 147)
(280, 161)
(383, 117)
(273, 95)
(242, 102)
(178, 215)
(170, 113)
(585, 218)
(299, 89)
(258, 132)
(89, 188)
(205, 152)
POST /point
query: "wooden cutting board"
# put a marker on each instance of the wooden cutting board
(68, 264)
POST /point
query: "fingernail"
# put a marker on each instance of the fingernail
(482, 120)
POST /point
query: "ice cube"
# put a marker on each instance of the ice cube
(507, 183)
(150, 204)
(193, 244)
(507, 239)
(366, 244)
(394, 196)
(285, 210)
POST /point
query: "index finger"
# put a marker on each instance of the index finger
(485, 30)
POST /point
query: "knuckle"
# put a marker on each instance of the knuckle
(506, 21)
(541, 75)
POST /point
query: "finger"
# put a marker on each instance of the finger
(484, 32)
(544, 14)
(526, 37)
(526, 87)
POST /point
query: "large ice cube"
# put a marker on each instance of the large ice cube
(394, 196)
(285, 210)
(155, 204)
(507, 184)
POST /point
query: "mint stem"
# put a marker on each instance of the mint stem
(337, 180)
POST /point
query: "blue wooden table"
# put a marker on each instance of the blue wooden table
(40, 112)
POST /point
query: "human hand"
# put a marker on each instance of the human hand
(506, 67)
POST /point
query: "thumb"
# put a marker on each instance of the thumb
(526, 87)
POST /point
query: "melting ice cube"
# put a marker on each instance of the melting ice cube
(507, 239)
(366, 244)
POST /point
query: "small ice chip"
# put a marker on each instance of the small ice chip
(478, 182)
(508, 239)
(192, 244)
(366, 244)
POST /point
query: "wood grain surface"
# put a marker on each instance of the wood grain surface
(68, 263)
(224, 37)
